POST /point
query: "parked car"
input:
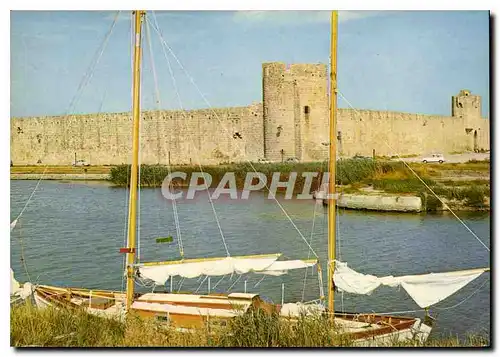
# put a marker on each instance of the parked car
(81, 163)
(292, 159)
(434, 158)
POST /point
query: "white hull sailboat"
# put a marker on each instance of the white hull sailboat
(186, 311)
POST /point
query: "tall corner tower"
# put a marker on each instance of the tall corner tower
(278, 105)
(295, 99)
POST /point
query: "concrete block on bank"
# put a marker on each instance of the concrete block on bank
(380, 202)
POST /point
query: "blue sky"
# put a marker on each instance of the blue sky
(400, 61)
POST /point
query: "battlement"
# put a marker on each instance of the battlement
(295, 69)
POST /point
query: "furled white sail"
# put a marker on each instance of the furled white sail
(213, 267)
(14, 284)
(282, 267)
(16, 289)
(160, 273)
(13, 224)
(425, 290)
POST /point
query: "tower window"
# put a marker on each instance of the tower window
(307, 109)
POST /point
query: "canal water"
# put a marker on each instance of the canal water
(72, 232)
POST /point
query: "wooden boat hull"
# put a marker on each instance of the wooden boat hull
(191, 311)
(381, 330)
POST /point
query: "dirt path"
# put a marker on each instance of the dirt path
(456, 158)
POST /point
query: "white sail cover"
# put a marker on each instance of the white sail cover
(161, 273)
(218, 267)
(425, 290)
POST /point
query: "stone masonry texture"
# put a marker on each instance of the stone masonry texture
(291, 122)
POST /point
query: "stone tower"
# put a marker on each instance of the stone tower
(295, 101)
(467, 107)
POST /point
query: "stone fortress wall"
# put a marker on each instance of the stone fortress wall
(292, 121)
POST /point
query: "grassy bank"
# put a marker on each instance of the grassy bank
(39, 169)
(64, 328)
(352, 175)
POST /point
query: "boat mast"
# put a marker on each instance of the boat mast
(136, 112)
(332, 201)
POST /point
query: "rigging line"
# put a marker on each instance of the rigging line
(425, 184)
(260, 281)
(339, 246)
(127, 190)
(82, 85)
(80, 88)
(213, 289)
(201, 284)
(32, 194)
(219, 120)
(309, 252)
(193, 145)
(464, 300)
(185, 123)
(232, 285)
(139, 156)
(23, 259)
(125, 236)
(180, 284)
(158, 101)
(95, 60)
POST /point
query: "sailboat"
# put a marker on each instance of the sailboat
(187, 311)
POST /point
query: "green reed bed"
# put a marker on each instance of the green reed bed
(349, 171)
(154, 175)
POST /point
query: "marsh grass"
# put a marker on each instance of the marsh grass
(63, 328)
(353, 174)
(154, 175)
(349, 171)
(31, 327)
(474, 196)
(457, 183)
